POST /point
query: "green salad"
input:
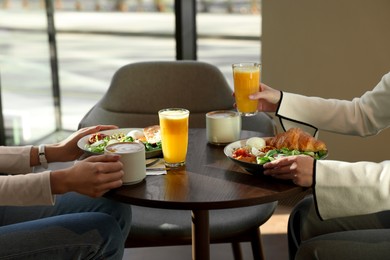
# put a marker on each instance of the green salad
(277, 153)
(98, 142)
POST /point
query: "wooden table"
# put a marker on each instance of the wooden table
(209, 180)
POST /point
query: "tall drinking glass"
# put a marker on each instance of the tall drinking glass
(174, 135)
(246, 77)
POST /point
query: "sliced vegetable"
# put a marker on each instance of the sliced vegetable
(99, 142)
(277, 153)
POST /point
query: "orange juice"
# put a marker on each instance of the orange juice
(174, 135)
(246, 81)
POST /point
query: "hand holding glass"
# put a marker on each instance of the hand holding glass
(246, 82)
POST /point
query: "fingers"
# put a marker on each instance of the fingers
(264, 87)
(107, 176)
(96, 128)
(280, 163)
(105, 127)
(283, 168)
(263, 95)
(105, 187)
(107, 164)
(103, 158)
(257, 95)
(109, 181)
(298, 168)
(74, 137)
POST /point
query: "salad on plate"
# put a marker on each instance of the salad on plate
(292, 142)
(149, 136)
(256, 151)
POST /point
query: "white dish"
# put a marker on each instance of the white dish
(250, 167)
(83, 142)
(253, 168)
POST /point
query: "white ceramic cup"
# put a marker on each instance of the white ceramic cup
(133, 159)
(223, 127)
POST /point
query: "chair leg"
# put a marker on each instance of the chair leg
(257, 246)
(237, 254)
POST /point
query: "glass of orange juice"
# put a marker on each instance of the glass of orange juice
(174, 135)
(246, 77)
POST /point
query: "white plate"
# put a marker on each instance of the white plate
(84, 141)
(250, 167)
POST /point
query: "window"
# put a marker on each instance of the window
(94, 39)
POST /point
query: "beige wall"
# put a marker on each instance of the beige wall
(329, 48)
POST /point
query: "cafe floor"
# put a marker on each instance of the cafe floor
(274, 240)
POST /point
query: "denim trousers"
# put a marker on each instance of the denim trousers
(76, 227)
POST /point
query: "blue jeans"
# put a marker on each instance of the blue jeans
(76, 227)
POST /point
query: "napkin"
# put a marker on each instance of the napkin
(158, 168)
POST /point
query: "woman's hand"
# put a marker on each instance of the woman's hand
(93, 176)
(67, 150)
(268, 98)
(298, 168)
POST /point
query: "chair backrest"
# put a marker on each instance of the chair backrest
(139, 90)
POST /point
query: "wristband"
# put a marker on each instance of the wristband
(42, 156)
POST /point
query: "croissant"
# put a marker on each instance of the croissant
(297, 139)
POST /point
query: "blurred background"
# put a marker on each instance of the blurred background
(93, 39)
(332, 48)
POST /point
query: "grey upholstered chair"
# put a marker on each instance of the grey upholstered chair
(137, 92)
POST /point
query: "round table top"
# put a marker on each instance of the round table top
(209, 180)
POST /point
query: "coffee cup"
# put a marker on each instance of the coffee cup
(223, 127)
(133, 160)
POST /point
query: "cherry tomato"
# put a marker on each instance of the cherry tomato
(241, 152)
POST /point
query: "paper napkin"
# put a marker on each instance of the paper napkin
(157, 168)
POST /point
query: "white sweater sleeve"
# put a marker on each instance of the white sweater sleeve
(340, 188)
(346, 189)
(363, 116)
(26, 189)
(15, 159)
(18, 186)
